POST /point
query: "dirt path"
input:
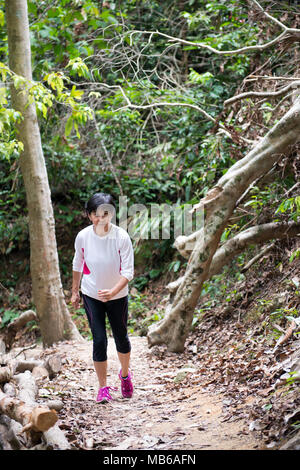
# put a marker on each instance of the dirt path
(160, 415)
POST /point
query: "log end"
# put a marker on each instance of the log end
(43, 419)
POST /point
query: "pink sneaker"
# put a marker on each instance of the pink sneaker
(104, 395)
(126, 385)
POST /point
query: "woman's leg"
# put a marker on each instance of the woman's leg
(101, 371)
(125, 361)
(117, 312)
(95, 310)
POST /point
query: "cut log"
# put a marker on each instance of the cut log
(9, 389)
(24, 408)
(52, 434)
(27, 387)
(53, 364)
(29, 364)
(5, 374)
(56, 405)
(37, 418)
(42, 418)
(39, 421)
(40, 372)
(56, 439)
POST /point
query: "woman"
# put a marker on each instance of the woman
(104, 263)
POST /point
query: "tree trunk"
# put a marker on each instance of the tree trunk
(174, 328)
(54, 318)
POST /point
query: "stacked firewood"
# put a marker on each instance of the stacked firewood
(24, 422)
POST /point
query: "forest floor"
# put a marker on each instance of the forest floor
(161, 415)
(229, 390)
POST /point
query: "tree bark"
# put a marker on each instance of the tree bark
(54, 318)
(174, 328)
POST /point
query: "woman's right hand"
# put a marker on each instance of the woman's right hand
(75, 299)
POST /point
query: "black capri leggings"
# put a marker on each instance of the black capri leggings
(117, 312)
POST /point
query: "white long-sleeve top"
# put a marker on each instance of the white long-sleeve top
(103, 260)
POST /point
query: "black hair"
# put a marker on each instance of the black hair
(97, 200)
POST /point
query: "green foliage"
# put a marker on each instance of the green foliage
(283, 313)
(9, 145)
(86, 58)
(80, 319)
(7, 317)
(64, 39)
(139, 318)
(295, 255)
(290, 206)
(268, 196)
(174, 266)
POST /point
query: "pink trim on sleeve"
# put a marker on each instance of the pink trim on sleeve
(85, 268)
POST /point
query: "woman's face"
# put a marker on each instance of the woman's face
(101, 217)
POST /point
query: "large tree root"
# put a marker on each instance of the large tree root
(218, 207)
(236, 245)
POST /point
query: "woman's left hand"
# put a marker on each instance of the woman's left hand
(105, 294)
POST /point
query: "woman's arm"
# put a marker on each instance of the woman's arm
(106, 294)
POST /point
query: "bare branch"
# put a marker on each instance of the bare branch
(287, 32)
(257, 257)
(169, 104)
(264, 94)
(256, 47)
(163, 103)
(129, 55)
(267, 77)
(272, 18)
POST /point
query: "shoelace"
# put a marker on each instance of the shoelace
(105, 391)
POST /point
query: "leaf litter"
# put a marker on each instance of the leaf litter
(163, 413)
(230, 389)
